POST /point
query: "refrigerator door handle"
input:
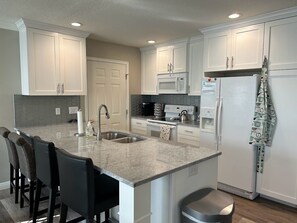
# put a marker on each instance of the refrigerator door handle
(216, 122)
(219, 120)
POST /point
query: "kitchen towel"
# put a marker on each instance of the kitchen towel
(165, 131)
(265, 119)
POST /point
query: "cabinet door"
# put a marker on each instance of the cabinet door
(148, 72)
(279, 178)
(73, 65)
(41, 77)
(217, 48)
(196, 67)
(164, 57)
(280, 44)
(247, 47)
(179, 58)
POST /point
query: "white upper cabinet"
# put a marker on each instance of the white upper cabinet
(172, 59)
(148, 72)
(280, 44)
(235, 49)
(51, 63)
(195, 66)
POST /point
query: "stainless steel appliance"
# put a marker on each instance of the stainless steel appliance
(176, 83)
(172, 119)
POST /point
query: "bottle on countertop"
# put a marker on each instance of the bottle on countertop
(89, 129)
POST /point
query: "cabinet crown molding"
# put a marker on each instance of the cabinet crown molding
(280, 14)
(22, 24)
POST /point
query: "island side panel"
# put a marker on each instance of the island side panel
(189, 180)
(135, 203)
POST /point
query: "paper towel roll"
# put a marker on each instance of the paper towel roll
(80, 125)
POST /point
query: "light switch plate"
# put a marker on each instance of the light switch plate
(73, 110)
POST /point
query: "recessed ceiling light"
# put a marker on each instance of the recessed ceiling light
(77, 24)
(234, 16)
(151, 41)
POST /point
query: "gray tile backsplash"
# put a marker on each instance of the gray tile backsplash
(40, 110)
(136, 100)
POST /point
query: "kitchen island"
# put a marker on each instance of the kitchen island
(154, 175)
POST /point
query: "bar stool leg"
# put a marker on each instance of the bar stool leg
(37, 198)
(31, 197)
(51, 206)
(11, 178)
(17, 185)
(63, 215)
(22, 190)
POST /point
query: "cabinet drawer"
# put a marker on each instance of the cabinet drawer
(190, 140)
(138, 126)
(190, 131)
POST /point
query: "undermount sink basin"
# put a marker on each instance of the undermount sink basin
(129, 139)
(121, 137)
(113, 135)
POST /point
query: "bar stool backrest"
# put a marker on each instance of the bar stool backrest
(12, 153)
(25, 154)
(46, 162)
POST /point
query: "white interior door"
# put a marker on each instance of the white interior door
(107, 85)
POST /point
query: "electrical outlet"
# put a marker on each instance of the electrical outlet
(58, 111)
(73, 110)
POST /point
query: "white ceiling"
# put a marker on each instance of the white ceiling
(133, 22)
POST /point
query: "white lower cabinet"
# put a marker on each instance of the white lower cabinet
(138, 126)
(188, 135)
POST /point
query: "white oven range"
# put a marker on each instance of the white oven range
(172, 119)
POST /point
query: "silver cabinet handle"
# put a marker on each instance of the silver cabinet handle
(138, 123)
(172, 68)
(62, 88)
(232, 62)
(188, 131)
(58, 89)
(227, 62)
(168, 67)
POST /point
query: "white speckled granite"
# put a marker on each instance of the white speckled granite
(131, 163)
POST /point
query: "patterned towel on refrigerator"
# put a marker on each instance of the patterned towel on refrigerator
(165, 132)
(264, 122)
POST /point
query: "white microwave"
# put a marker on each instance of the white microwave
(174, 83)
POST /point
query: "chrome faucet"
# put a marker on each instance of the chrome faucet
(99, 136)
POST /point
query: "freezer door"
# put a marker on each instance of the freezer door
(237, 102)
(208, 112)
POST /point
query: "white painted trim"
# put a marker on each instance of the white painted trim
(280, 14)
(148, 48)
(195, 39)
(25, 23)
(7, 25)
(4, 185)
(127, 87)
(173, 42)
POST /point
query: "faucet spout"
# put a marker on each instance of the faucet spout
(99, 136)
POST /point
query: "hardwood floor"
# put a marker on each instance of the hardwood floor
(258, 211)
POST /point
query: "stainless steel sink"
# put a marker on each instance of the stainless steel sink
(113, 135)
(129, 139)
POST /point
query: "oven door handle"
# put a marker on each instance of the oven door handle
(159, 124)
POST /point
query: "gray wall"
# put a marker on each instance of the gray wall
(10, 84)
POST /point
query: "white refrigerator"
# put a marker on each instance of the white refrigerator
(226, 115)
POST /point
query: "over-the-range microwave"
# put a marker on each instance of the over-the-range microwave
(173, 83)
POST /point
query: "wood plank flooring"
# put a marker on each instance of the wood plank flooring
(258, 211)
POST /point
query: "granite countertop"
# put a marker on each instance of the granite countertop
(131, 163)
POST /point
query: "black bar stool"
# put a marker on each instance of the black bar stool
(84, 189)
(13, 162)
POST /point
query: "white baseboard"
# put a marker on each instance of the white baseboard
(4, 185)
